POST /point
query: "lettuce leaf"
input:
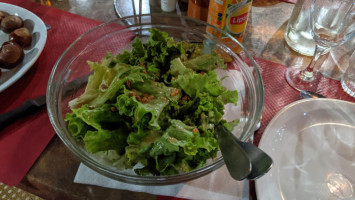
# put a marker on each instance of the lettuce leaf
(105, 82)
(155, 55)
(76, 126)
(154, 108)
(103, 140)
(178, 68)
(178, 136)
(193, 83)
(205, 62)
(100, 118)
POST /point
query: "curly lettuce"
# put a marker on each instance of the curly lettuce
(154, 107)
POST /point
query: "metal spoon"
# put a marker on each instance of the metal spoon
(260, 161)
(309, 94)
(235, 158)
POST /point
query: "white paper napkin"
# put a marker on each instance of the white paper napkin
(216, 185)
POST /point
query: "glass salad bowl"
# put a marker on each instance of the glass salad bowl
(70, 74)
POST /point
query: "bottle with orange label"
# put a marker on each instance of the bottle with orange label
(231, 16)
(198, 9)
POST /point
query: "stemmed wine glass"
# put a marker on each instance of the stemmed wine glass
(330, 21)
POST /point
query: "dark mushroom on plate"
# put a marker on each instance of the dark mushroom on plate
(10, 23)
(21, 36)
(3, 15)
(11, 54)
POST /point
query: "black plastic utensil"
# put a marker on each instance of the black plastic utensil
(30, 106)
(33, 105)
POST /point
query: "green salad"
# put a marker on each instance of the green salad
(154, 107)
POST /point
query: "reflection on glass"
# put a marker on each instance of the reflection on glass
(339, 186)
(140, 7)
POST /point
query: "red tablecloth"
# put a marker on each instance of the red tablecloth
(22, 142)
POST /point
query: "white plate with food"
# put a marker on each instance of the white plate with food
(37, 29)
(312, 143)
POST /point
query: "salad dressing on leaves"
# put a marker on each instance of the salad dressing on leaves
(154, 108)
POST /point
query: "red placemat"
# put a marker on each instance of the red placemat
(22, 142)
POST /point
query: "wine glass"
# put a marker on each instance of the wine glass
(330, 21)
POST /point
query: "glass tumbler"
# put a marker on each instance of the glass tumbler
(348, 79)
(298, 31)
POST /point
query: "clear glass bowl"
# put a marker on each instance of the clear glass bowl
(70, 72)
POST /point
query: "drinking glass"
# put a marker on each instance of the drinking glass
(298, 31)
(330, 21)
(348, 79)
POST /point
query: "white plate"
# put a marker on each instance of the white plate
(312, 143)
(39, 38)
